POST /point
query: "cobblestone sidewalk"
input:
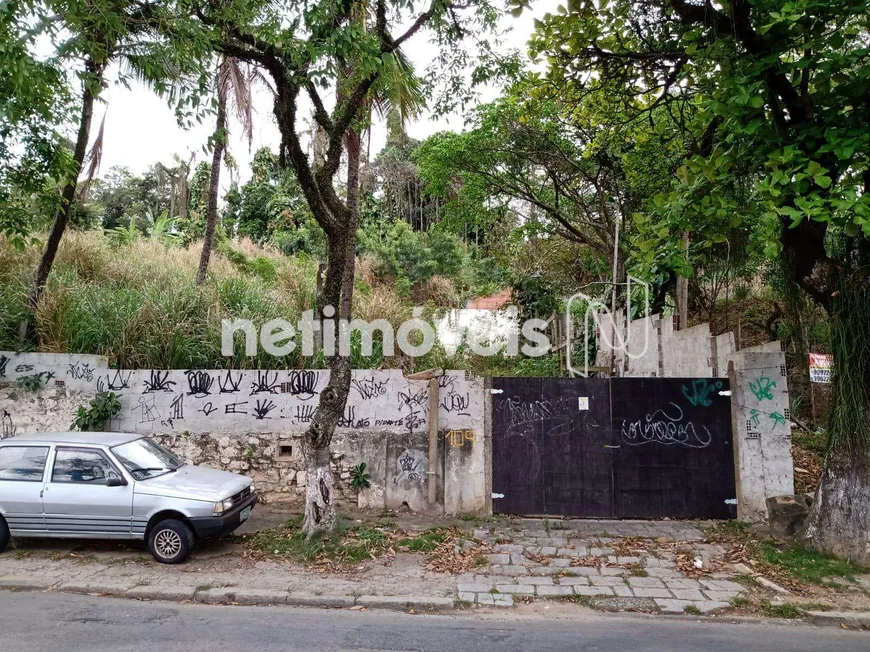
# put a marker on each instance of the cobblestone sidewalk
(576, 559)
(611, 564)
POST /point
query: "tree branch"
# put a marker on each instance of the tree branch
(740, 26)
(320, 113)
(422, 19)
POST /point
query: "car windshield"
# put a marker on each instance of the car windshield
(144, 459)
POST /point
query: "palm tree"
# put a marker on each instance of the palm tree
(92, 85)
(233, 82)
(100, 35)
(397, 94)
(397, 97)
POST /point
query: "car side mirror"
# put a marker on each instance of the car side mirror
(115, 481)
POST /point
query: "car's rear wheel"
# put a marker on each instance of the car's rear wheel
(4, 534)
(170, 541)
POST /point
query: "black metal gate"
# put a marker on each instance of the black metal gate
(612, 448)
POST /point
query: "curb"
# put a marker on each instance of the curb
(235, 596)
(856, 619)
(261, 597)
(18, 583)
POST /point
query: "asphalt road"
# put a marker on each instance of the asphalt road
(69, 623)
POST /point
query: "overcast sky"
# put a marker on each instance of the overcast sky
(141, 129)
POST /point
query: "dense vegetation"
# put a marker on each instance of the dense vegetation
(135, 301)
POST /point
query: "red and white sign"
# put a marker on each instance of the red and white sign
(820, 367)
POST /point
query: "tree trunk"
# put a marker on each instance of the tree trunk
(839, 521)
(220, 135)
(354, 146)
(337, 291)
(320, 515)
(93, 81)
(683, 291)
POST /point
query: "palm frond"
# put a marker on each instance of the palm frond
(256, 76)
(94, 157)
(399, 90)
(235, 84)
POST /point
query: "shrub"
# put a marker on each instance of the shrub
(409, 257)
(31, 383)
(257, 265)
(359, 479)
(439, 290)
(103, 407)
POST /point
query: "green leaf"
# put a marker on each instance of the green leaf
(756, 101)
(822, 180)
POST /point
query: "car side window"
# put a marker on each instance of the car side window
(81, 467)
(23, 463)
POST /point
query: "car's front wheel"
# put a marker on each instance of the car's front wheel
(170, 541)
(4, 534)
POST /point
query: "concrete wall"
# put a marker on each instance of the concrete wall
(685, 353)
(644, 348)
(655, 349)
(767, 347)
(251, 422)
(722, 348)
(762, 431)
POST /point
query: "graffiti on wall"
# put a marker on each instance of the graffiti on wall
(194, 400)
(762, 388)
(303, 384)
(665, 426)
(410, 467)
(700, 391)
(458, 438)
(77, 371)
(524, 415)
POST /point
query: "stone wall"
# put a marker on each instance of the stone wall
(251, 421)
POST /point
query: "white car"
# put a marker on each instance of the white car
(103, 485)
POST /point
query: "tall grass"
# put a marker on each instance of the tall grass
(138, 304)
